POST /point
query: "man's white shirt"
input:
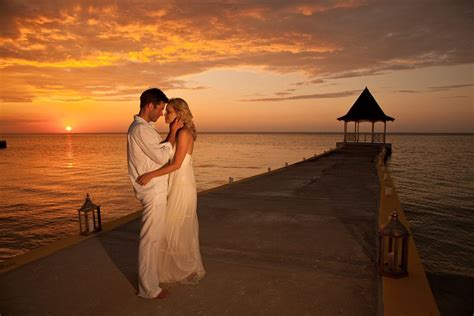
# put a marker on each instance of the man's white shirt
(146, 153)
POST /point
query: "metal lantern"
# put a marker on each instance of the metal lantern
(89, 217)
(393, 248)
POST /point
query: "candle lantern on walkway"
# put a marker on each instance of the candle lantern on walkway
(393, 248)
(89, 217)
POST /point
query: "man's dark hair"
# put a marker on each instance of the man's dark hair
(154, 96)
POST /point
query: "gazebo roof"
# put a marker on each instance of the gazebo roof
(365, 108)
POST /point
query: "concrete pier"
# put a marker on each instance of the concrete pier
(300, 240)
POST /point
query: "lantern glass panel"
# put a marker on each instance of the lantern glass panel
(89, 217)
(393, 251)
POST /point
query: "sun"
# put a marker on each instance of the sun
(68, 128)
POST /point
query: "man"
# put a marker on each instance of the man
(146, 152)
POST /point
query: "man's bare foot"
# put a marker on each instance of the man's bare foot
(163, 294)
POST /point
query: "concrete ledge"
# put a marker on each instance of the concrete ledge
(411, 295)
(48, 249)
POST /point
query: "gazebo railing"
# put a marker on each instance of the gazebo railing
(364, 138)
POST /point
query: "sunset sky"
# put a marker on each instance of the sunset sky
(241, 65)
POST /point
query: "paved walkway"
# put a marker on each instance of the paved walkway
(296, 241)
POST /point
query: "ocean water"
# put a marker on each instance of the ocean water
(433, 175)
(45, 178)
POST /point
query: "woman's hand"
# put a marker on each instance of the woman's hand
(176, 125)
(144, 178)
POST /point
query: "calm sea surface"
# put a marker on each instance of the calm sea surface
(45, 178)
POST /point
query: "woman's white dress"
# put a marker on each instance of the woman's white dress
(180, 258)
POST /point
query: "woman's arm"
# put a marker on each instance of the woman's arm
(183, 138)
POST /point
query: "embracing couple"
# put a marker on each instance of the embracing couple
(163, 180)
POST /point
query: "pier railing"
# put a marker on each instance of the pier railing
(365, 138)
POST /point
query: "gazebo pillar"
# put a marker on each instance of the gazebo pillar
(355, 131)
(384, 130)
(358, 131)
(373, 131)
(345, 132)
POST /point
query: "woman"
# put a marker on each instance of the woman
(180, 259)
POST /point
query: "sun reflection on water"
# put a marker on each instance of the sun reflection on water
(69, 151)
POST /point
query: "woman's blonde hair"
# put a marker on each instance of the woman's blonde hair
(183, 113)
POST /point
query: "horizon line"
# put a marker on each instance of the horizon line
(237, 132)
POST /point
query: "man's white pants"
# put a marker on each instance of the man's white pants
(154, 208)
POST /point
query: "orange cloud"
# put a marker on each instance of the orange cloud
(99, 51)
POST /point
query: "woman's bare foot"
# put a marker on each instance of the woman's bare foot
(163, 294)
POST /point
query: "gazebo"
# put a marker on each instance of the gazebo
(365, 109)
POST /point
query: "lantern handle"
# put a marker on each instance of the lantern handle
(394, 214)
